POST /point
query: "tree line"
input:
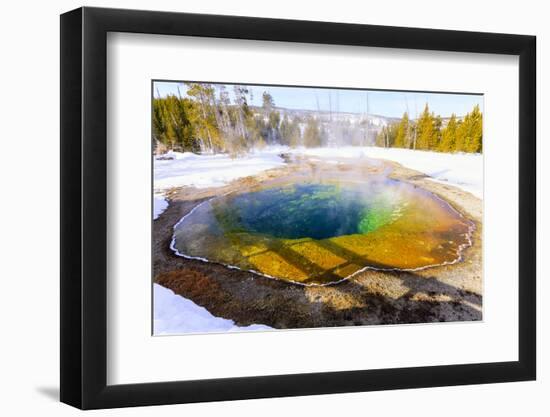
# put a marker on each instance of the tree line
(428, 133)
(207, 120)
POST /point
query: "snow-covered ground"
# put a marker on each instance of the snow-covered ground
(177, 169)
(203, 171)
(177, 315)
(462, 170)
(159, 205)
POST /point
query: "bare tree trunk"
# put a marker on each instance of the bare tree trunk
(416, 124)
(367, 133)
(204, 115)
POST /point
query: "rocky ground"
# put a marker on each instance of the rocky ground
(437, 294)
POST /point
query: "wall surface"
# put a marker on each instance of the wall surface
(30, 221)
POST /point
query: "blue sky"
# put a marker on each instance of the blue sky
(383, 103)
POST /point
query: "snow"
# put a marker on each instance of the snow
(174, 314)
(159, 205)
(462, 170)
(211, 170)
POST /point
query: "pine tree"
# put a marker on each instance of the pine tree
(295, 138)
(267, 103)
(460, 136)
(436, 138)
(159, 122)
(426, 131)
(469, 135)
(273, 123)
(289, 131)
(475, 132)
(448, 136)
(380, 140)
(312, 133)
(204, 116)
(403, 131)
(171, 123)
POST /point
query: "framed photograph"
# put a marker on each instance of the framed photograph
(257, 208)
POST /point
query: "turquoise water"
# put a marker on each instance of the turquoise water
(312, 210)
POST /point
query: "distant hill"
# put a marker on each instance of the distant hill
(326, 116)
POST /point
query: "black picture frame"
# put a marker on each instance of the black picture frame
(84, 207)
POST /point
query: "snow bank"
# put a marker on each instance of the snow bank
(159, 205)
(203, 171)
(462, 170)
(174, 314)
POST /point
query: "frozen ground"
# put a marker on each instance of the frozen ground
(177, 315)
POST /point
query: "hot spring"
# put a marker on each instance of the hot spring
(323, 232)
